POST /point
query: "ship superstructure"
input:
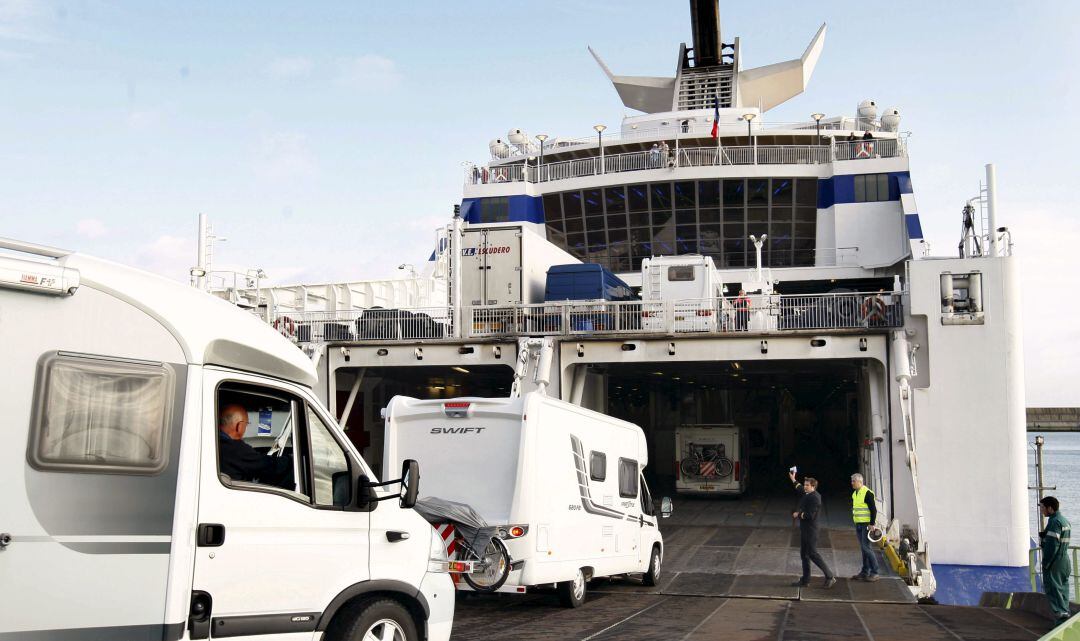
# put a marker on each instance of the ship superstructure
(834, 339)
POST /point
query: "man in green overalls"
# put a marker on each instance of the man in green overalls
(1055, 557)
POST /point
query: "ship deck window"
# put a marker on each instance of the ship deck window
(712, 217)
(495, 210)
(871, 188)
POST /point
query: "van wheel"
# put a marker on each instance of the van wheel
(652, 577)
(572, 593)
(380, 620)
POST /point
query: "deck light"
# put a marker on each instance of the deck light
(541, 138)
(748, 118)
(600, 142)
(817, 121)
(460, 369)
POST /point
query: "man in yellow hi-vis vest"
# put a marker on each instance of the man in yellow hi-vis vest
(864, 514)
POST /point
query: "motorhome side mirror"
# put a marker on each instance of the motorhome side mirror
(410, 483)
(665, 507)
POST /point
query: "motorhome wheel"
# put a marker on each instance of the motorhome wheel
(383, 619)
(652, 577)
(572, 593)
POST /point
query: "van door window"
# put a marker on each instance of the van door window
(647, 506)
(99, 414)
(256, 430)
(331, 477)
(628, 477)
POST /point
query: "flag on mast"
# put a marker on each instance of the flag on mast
(716, 117)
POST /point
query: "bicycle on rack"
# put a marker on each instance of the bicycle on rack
(475, 548)
(706, 460)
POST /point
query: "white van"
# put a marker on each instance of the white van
(688, 287)
(124, 515)
(712, 459)
(565, 482)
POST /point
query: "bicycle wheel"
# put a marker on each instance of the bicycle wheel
(496, 570)
(724, 467)
(690, 467)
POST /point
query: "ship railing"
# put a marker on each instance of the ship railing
(536, 172)
(727, 315)
(865, 149)
(754, 313)
(1035, 570)
(690, 130)
(372, 324)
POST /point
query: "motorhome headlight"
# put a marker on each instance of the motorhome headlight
(438, 561)
(512, 531)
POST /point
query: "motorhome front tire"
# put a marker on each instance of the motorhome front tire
(652, 577)
(383, 619)
(572, 593)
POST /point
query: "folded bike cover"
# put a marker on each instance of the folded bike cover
(467, 520)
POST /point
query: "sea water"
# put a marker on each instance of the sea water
(1061, 467)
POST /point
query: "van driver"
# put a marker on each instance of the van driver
(243, 462)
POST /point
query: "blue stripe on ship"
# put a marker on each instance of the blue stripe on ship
(840, 190)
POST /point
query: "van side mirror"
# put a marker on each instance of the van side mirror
(665, 507)
(410, 483)
(340, 482)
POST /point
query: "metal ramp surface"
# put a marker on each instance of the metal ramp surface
(760, 562)
(638, 617)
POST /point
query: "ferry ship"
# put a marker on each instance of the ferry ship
(833, 340)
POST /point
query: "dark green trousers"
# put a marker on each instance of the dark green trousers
(1056, 584)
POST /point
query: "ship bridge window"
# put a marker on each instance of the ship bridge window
(871, 188)
(495, 210)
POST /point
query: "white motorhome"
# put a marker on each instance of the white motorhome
(568, 478)
(713, 459)
(688, 286)
(119, 519)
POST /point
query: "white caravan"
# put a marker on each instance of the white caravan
(712, 459)
(568, 481)
(687, 287)
(118, 520)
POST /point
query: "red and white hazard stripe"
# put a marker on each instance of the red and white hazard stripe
(446, 531)
(708, 468)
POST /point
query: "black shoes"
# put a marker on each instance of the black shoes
(829, 582)
(800, 584)
(859, 577)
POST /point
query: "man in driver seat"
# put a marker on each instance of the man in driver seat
(243, 462)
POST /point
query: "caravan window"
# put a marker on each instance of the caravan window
(680, 272)
(628, 477)
(98, 414)
(597, 466)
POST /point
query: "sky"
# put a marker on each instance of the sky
(325, 141)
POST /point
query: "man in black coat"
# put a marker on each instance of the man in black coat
(243, 462)
(807, 514)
